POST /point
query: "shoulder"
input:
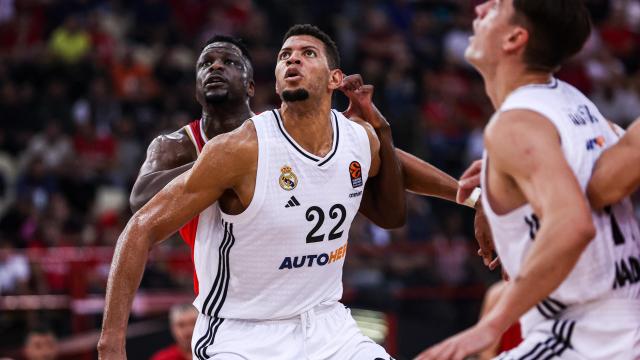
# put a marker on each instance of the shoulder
(175, 147)
(237, 145)
(519, 126)
(634, 132)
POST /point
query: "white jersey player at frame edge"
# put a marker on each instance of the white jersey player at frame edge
(572, 269)
(598, 302)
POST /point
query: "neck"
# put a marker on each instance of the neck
(219, 119)
(503, 81)
(309, 123)
(186, 353)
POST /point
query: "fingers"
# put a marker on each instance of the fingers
(494, 264)
(474, 169)
(351, 82)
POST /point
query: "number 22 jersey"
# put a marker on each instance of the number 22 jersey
(284, 254)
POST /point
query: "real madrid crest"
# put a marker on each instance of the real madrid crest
(288, 180)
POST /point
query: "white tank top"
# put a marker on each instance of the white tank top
(610, 266)
(284, 254)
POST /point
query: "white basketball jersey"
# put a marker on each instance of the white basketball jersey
(284, 254)
(610, 265)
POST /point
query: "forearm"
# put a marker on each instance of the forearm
(546, 266)
(384, 201)
(425, 179)
(127, 267)
(148, 185)
(614, 177)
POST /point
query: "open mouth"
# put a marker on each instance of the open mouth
(292, 74)
(214, 80)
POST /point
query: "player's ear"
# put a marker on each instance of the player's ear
(335, 78)
(515, 39)
(251, 88)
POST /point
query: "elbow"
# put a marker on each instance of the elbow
(600, 199)
(393, 221)
(135, 202)
(585, 230)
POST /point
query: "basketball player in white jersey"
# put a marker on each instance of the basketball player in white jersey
(575, 273)
(288, 184)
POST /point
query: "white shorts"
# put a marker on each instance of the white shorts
(605, 330)
(325, 332)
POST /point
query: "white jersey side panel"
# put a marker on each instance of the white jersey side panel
(609, 267)
(284, 254)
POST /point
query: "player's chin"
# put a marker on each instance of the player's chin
(216, 96)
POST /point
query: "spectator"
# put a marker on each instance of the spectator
(41, 344)
(14, 270)
(70, 42)
(182, 319)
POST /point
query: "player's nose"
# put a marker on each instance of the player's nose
(481, 9)
(294, 58)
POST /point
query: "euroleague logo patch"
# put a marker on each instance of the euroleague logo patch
(287, 180)
(355, 171)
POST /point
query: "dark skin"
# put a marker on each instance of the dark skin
(224, 86)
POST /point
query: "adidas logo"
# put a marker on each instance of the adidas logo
(292, 202)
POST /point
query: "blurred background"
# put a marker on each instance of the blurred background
(85, 85)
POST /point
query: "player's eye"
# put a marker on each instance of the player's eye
(309, 53)
(205, 64)
(230, 62)
(284, 55)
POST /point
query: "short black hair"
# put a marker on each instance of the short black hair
(557, 29)
(231, 40)
(333, 56)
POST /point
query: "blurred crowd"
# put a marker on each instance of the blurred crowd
(86, 84)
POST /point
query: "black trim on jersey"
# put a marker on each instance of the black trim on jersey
(216, 282)
(550, 308)
(222, 291)
(219, 288)
(335, 146)
(559, 336)
(335, 139)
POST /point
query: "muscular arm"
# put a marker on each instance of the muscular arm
(425, 179)
(617, 172)
(384, 200)
(167, 157)
(524, 147)
(163, 215)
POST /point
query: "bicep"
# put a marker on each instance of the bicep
(177, 203)
(374, 146)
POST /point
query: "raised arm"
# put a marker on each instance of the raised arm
(182, 199)
(167, 157)
(524, 149)
(384, 199)
(617, 172)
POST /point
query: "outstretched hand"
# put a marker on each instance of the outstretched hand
(469, 342)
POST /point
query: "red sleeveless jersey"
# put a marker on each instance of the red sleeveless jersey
(188, 231)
